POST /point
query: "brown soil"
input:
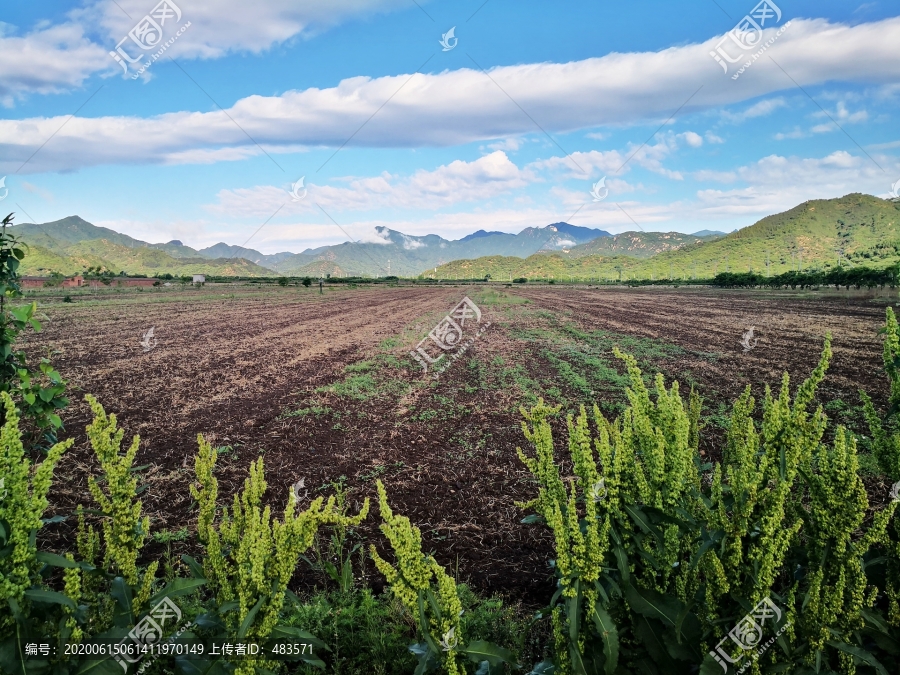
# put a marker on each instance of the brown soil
(229, 363)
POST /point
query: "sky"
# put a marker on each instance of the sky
(198, 120)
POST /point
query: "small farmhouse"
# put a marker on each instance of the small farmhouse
(199, 279)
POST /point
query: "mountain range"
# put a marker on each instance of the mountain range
(852, 230)
(72, 244)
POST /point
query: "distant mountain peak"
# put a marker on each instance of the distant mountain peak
(480, 233)
(175, 242)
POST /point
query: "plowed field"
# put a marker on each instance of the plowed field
(324, 389)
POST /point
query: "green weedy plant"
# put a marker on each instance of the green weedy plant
(836, 597)
(886, 445)
(124, 531)
(96, 599)
(430, 595)
(250, 558)
(655, 565)
(23, 499)
(752, 520)
(617, 528)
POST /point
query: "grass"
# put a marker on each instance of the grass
(316, 410)
(370, 379)
(492, 297)
(167, 536)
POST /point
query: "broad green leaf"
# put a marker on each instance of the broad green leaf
(479, 650)
(606, 629)
(193, 565)
(178, 587)
(710, 666)
(650, 633)
(654, 604)
(55, 560)
(861, 654)
(543, 668)
(41, 595)
(122, 593)
(248, 620)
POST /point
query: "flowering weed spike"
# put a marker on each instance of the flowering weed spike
(250, 556)
(124, 531)
(412, 580)
(23, 504)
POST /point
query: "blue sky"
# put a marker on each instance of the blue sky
(512, 127)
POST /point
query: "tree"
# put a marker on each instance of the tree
(37, 393)
(307, 282)
(282, 281)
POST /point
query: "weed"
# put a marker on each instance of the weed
(389, 343)
(316, 410)
(361, 367)
(376, 471)
(167, 536)
(425, 416)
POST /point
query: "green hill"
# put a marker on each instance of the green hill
(852, 230)
(116, 257)
(635, 244)
(70, 245)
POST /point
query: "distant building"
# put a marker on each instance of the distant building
(199, 279)
(41, 282)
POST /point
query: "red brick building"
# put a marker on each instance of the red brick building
(78, 280)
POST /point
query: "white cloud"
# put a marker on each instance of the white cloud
(48, 60)
(507, 144)
(222, 26)
(583, 165)
(454, 183)
(713, 138)
(776, 183)
(692, 139)
(58, 57)
(841, 115)
(795, 134)
(758, 109)
(773, 184)
(463, 106)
